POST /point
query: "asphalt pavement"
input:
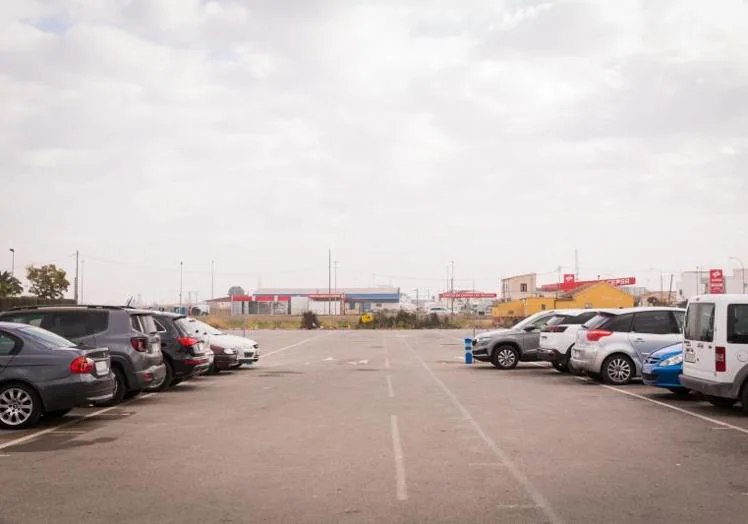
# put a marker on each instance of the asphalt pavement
(382, 426)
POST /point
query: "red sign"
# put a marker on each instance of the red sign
(467, 294)
(570, 281)
(716, 282)
(625, 281)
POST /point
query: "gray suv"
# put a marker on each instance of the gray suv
(505, 348)
(129, 334)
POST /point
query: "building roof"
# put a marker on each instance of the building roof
(221, 299)
(520, 276)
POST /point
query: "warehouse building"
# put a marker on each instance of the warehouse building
(285, 301)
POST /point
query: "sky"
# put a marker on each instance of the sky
(400, 134)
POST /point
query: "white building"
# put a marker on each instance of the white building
(694, 283)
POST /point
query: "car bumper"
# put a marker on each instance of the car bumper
(709, 387)
(66, 395)
(584, 360)
(223, 362)
(550, 355)
(249, 357)
(662, 377)
(192, 366)
(146, 377)
(480, 352)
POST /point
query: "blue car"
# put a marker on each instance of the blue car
(663, 367)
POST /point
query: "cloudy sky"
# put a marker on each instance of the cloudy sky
(400, 134)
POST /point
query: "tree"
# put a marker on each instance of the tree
(236, 290)
(10, 286)
(47, 281)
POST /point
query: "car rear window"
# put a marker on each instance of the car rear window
(143, 323)
(185, 326)
(737, 324)
(700, 322)
(620, 323)
(47, 338)
(598, 320)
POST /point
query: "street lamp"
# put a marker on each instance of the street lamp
(13, 262)
(742, 270)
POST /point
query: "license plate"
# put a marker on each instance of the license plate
(690, 356)
(155, 348)
(102, 368)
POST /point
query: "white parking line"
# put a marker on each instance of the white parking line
(536, 496)
(401, 485)
(390, 391)
(266, 355)
(680, 410)
(43, 432)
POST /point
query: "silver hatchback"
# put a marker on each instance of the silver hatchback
(614, 345)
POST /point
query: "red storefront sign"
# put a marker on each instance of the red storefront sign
(570, 281)
(716, 282)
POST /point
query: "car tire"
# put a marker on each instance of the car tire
(560, 367)
(20, 406)
(618, 370)
(744, 398)
(722, 402)
(567, 361)
(177, 381)
(57, 413)
(132, 393)
(120, 389)
(168, 377)
(505, 357)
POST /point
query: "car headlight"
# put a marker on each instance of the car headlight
(481, 341)
(228, 351)
(672, 361)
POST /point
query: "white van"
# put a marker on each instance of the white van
(715, 350)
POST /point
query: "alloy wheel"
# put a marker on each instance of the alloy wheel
(506, 358)
(619, 370)
(16, 406)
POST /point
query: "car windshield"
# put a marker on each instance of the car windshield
(47, 338)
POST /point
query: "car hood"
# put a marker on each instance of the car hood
(495, 332)
(232, 341)
(668, 352)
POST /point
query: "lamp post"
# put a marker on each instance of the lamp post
(13, 262)
(742, 271)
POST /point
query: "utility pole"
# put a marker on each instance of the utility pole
(212, 278)
(329, 280)
(75, 293)
(452, 287)
(335, 287)
(13, 262)
(83, 267)
(181, 267)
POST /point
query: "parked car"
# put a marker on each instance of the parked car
(715, 358)
(184, 355)
(505, 348)
(614, 345)
(439, 311)
(663, 369)
(43, 374)
(229, 351)
(559, 335)
(130, 335)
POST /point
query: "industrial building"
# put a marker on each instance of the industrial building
(285, 301)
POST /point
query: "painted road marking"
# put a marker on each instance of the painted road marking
(390, 391)
(680, 410)
(536, 496)
(43, 432)
(401, 485)
(266, 355)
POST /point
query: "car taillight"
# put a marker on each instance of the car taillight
(720, 360)
(596, 334)
(187, 342)
(82, 365)
(139, 343)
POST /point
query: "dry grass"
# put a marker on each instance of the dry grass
(332, 322)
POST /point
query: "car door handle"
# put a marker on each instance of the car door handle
(639, 340)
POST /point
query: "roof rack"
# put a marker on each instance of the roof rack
(66, 306)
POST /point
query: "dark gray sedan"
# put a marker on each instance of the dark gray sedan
(43, 374)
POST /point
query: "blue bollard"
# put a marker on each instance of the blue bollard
(468, 351)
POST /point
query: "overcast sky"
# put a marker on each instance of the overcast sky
(401, 134)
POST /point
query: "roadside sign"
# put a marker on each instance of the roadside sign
(716, 282)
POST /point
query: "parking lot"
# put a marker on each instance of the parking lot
(382, 426)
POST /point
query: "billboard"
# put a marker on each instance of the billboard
(716, 281)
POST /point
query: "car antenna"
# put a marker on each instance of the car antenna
(128, 302)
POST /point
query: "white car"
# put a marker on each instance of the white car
(439, 310)
(715, 349)
(558, 336)
(247, 350)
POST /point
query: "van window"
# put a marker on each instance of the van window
(737, 324)
(143, 323)
(700, 322)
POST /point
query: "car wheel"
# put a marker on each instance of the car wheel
(744, 398)
(120, 388)
(721, 402)
(20, 406)
(505, 357)
(618, 370)
(56, 414)
(168, 377)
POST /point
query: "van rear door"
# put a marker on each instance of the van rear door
(698, 346)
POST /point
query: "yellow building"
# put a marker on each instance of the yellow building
(599, 295)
